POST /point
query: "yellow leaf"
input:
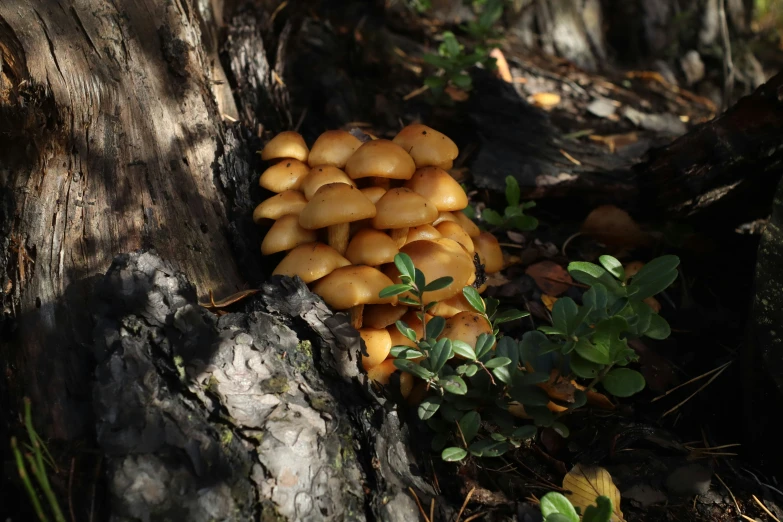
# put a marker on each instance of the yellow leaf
(548, 301)
(545, 100)
(588, 483)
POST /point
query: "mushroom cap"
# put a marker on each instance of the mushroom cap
(382, 315)
(466, 327)
(382, 373)
(489, 251)
(371, 247)
(311, 262)
(467, 224)
(378, 343)
(334, 204)
(380, 159)
(438, 186)
(351, 286)
(427, 146)
(373, 193)
(323, 175)
(444, 216)
(284, 175)
(422, 232)
(287, 202)
(412, 320)
(438, 258)
(452, 306)
(333, 147)
(452, 230)
(288, 144)
(402, 207)
(286, 234)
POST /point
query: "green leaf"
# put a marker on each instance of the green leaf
(413, 368)
(659, 328)
(580, 399)
(429, 406)
(475, 300)
(541, 415)
(418, 278)
(454, 384)
(497, 362)
(598, 354)
(512, 191)
(512, 212)
(557, 517)
(450, 413)
(607, 336)
(453, 454)
(509, 315)
(408, 301)
(557, 503)
(523, 223)
(643, 317)
(462, 81)
(601, 513)
(484, 344)
(527, 378)
(405, 352)
(406, 330)
(452, 45)
(492, 217)
(508, 347)
(623, 382)
(551, 330)
(529, 396)
(439, 442)
(527, 431)
(613, 266)
(404, 264)
(561, 429)
(464, 349)
(471, 370)
(438, 284)
(435, 327)
(469, 425)
(584, 368)
(469, 211)
(591, 274)
(563, 313)
(503, 374)
(492, 306)
(489, 448)
(440, 353)
(393, 290)
(595, 297)
(655, 277)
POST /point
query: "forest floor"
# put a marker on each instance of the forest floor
(675, 449)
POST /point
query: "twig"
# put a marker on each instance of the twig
(567, 241)
(476, 516)
(416, 92)
(690, 381)
(767, 511)
(465, 503)
(70, 489)
(733, 498)
(696, 392)
(432, 508)
(728, 64)
(301, 119)
(421, 509)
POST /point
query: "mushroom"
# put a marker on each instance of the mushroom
(311, 262)
(422, 232)
(452, 230)
(401, 208)
(352, 287)
(490, 254)
(335, 206)
(333, 147)
(467, 224)
(286, 234)
(382, 315)
(411, 318)
(382, 373)
(287, 202)
(378, 344)
(288, 144)
(444, 216)
(466, 327)
(427, 146)
(371, 247)
(284, 175)
(323, 175)
(452, 306)
(373, 193)
(438, 186)
(381, 160)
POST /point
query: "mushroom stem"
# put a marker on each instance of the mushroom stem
(399, 235)
(356, 313)
(381, 182)
(338, 237)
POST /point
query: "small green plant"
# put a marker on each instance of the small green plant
(470, 398)
(555, 507)
(452, 60)
(514, 217)
(421, 6)
(37, 457)
(483, 28)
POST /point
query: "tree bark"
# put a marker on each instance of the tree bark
(110, 139)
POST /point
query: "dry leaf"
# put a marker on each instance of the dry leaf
(550, 277)
(233, 298)
(614, 227)
(455, 94)
(545, 100)
(588, 483)
(632, 268)
(502, 65)
(653, 303)
(558, 388)
(549, 301)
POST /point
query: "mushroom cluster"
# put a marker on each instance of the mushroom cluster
(345, 207)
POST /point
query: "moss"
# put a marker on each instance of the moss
(276, 385)
(306, 347)
(226, 437)
(270, 514)
(179, 364)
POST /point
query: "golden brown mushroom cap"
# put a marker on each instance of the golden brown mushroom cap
(467, 224)
(452, 306)
(351, 286)
(422, 232)
(334, 204)
(427, 146)
(284, 175)
(382, 315)
(466, 327)
(452, 230)
(371, 247)
(438, 258)
(288, 144)
(333, 147)
(378, 344)
(373, 193)
(310, 262)
(380, 159)
(489, 251)
(444, 216)
(438, 186)
(323, 175)
(287, 202)
(412, 320)
(401, 208)
(286, 234)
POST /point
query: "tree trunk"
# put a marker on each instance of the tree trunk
(110, 139)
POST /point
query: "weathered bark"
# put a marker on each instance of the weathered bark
(110, 136)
